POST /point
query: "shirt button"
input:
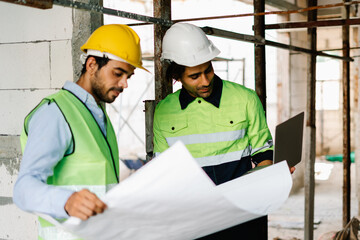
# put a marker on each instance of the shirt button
(199, 101)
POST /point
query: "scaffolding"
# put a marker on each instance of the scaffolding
(162, 20)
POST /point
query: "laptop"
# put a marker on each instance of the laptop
(288, 140)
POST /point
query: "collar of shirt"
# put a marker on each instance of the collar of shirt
(89, 102)
(79, 92)
(185, 98)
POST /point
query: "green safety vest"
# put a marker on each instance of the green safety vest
(94, 162)
(214, 135)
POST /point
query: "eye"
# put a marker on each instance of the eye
(194, 76)
(118, 74)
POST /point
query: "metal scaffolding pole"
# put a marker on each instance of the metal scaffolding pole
(260, 70)
(313, 24)
(301, 10)
(346, 120)
(260, 80)
(310, 128)
(98, 8)
(261, 41)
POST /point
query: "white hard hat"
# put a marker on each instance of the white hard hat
(187, 45)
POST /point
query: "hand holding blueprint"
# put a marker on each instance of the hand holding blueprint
(171, 197)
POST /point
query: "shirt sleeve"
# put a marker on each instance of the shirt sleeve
(160, 144)
(259, 134)
(49, 139)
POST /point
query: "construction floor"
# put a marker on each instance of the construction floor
(287, 223)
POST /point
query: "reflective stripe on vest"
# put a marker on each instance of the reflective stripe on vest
(223, 158)
(220, 159)
(208, 138)
(268, 144)
(214, 136)
(55, 233)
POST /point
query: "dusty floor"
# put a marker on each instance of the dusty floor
(287, 223)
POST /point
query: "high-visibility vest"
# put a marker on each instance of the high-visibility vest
(214, 135)
(94, 162)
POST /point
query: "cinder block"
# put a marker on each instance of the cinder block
(10, 147)
(9, 225)
(16, 104)
(26, 65)
(10, 154)
(329, 38)
(61, 63)
(24, 24)
(7, 178)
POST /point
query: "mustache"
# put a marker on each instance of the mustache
(211, 84)
(119, 89)
(204, 87)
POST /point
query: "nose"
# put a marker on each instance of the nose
(205, 80)
(123, 81)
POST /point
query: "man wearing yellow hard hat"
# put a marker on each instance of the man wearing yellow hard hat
(70, 154)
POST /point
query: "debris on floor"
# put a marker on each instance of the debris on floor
(292, 224)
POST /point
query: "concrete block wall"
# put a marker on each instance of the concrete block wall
(37, 56)
(329, 133)
(292, 88)
(35, 61)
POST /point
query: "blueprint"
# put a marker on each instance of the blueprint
(171, 197)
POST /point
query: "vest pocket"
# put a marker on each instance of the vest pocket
(231, 119)
(173, 125)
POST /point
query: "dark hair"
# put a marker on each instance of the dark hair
(174, 71)
(100, 61)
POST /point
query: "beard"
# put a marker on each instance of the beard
(101, 93)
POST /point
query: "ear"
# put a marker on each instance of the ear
(91, 65)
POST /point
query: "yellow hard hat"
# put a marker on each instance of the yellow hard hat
(117, 42)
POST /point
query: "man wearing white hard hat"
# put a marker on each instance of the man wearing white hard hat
(70, 153)
(221, 123)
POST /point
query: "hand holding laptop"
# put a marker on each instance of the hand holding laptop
(288, 142)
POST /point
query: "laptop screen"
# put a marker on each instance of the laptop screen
(288, 140)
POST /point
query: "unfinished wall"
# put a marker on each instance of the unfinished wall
(292, 78)
(329, 127)
(356, 107)
(293, 95)
(36, 59)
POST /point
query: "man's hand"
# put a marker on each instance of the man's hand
(84, 204)
(265, 163)
(269, 162)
